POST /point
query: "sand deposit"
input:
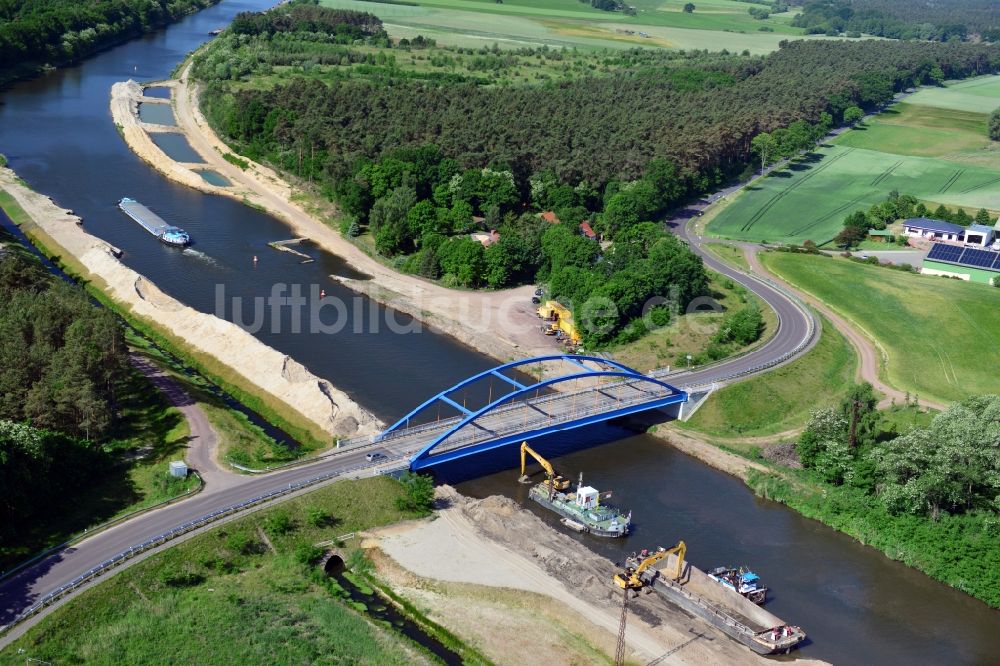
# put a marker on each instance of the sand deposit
(259, 366)
(501, 324)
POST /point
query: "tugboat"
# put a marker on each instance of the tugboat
(582, 509)
(742, 580)
(154, 224)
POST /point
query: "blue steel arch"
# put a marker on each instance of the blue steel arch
(618, 370)
(576, 359)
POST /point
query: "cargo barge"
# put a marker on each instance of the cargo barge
(727, 610)
(154, 224)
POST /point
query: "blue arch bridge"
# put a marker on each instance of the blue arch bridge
(526, 399)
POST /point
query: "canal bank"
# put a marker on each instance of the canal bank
(300, 395)
(502, 324)
(858, 606)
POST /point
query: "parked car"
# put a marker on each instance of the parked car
(536, 300)
(538, 291)
(375, 456)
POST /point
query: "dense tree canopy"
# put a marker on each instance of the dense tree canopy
(994, 125)
(423, 159)
(941, 21)
(61, 361)
(55, 31)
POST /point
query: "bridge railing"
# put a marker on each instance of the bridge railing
(474, 435)
(539, 401)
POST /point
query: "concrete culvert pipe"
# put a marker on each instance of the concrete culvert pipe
(334, 565)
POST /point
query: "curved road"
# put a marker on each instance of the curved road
(21, 590)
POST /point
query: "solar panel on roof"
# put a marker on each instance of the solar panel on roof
(943, 252)
(978, 258)
(996, 263)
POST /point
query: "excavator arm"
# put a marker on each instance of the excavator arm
(557, 481)
(633, 579)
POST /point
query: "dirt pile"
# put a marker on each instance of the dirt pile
(589, 575)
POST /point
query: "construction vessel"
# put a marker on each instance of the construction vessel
(692, 590)
(154, 224)
(581, 510)
(741, 580)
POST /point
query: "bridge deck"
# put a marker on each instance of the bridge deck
(522, 417)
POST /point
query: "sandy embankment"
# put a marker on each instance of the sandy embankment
(474, 545)
(501, 324)
(261, 367)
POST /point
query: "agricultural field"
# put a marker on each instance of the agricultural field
(938, 333)
(714, 25)
(809, 199)
(978, 95)
(933, 146)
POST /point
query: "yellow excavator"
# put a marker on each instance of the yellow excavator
(552, 480)
(633, 579)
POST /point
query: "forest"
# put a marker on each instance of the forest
(58, 31)
(420, 161)
(908, 492)
(61, 363)
(939, 21)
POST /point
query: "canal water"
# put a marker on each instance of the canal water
(857, 606)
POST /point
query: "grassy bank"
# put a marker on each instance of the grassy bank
(240, 440)
(729, 254)
(961, 551)
(691, 333)
(275, 411)
(781, 399)
(937, 333)
(245, 592)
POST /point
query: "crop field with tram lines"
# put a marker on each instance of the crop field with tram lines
(921, 147)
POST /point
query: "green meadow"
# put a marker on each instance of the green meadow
(245, 592)
(939, 334)
(714, 25)
(978, 95)
(782, 399)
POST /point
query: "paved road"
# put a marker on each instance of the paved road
(795, 323)
(20, 591)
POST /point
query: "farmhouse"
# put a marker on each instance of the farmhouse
(485, 238)
(922, 227)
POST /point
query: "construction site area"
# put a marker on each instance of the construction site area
(488, 569)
